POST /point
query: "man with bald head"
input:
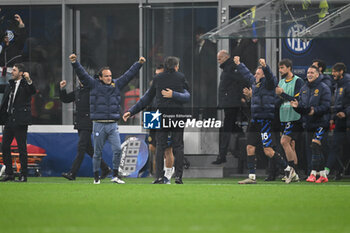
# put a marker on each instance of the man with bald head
(230, 100)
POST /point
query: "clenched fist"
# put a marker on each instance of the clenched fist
(63, 83)
(73, 58)
(142, 60)
(236, 60)
(262, 62)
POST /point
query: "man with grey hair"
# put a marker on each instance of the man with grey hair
(230, 100)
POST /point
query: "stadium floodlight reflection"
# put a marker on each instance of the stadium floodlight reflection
(330, 24)
(274, 18)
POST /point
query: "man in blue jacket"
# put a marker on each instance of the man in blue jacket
(314, 105)
(105, 111)
(263, 111)
(340, 116)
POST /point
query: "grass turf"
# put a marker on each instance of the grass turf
(200, 205)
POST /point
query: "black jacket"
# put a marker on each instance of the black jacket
(21, 114)
(173, 80)
(326, 79)
(317, 95)
(81, 96)
(342, 98)
(231, 85)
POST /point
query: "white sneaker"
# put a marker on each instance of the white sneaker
(296, 178)
(118, 180)
(97, 182)
(291, 175)
(2, 171)
(166, 180)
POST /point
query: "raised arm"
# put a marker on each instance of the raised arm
(123, 80)
(243, 70)
(30, 88)
(271, 80)
(83, 76)
(64, 96)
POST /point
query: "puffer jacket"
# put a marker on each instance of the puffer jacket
(342, 97)
(263, 93)
(317, 95)
(105, 99)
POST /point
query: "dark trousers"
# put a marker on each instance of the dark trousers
(309, 135)
(225, 132)
(341, 138)
(84, 146)
(20, 133)
(177, 144)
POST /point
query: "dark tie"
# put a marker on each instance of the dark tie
(10, 108)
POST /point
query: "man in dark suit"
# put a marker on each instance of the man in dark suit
(15, 113)
(83, 124)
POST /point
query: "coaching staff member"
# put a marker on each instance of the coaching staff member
(83, 123)
(230, 100)
(105, 111)
(15, 113)
(175, 81)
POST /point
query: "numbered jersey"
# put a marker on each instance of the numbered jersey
(259, 132)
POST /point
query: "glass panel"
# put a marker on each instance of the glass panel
(249, 49)
(110, 37)
(175, 30)
(39, 46)
(281, 19)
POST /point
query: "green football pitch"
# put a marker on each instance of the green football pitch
(200, 205)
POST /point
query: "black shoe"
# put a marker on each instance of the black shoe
(158, 181)
(178, 180)
(68, 176)
(219, 160)
(7, 178)
(21, 179)
(270, 178)
(105, 173)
